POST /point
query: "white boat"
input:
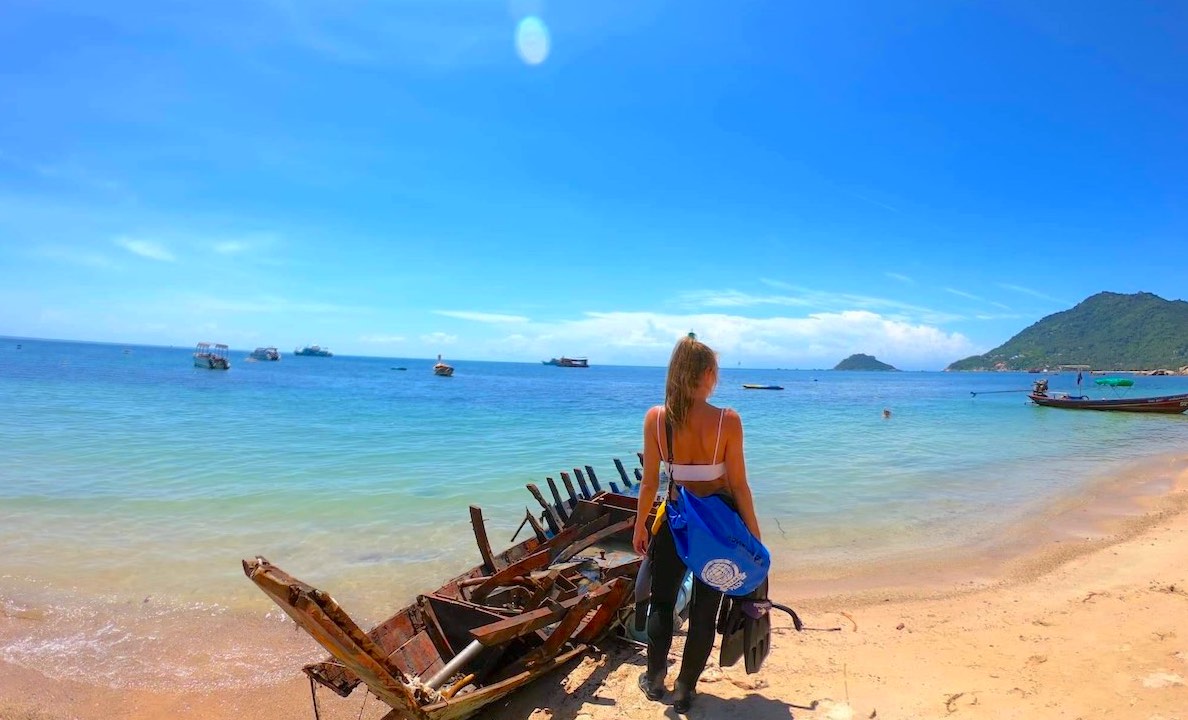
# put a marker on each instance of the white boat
(442, 369)
(265, 353)
(211, 357)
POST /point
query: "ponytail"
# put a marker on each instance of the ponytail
(690, 359)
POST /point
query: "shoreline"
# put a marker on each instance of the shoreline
(1082, 536)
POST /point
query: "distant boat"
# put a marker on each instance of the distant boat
(567, 362)
(314, 351)
(442, 369)
(211, 357)
(1167, 404)
(762, 387)
(265, 353)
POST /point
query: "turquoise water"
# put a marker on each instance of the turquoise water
(131, 476)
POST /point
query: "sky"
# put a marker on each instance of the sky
(519, 180)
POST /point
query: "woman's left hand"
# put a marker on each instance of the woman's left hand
(640, 539)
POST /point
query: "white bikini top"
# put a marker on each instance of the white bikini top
(694, 473)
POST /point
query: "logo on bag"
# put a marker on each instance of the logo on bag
(723, 574)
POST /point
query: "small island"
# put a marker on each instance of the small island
(858, 361)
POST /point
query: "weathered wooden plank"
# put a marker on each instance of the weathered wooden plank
(593, 479)
(481, 539)
(544, 587)
(463, 706)
(607, 610)
(560, 505)
(564, 630)
(573, 496)
(535, 525)
(581, 479)
(623, 473)
(320, 616)
(582, 543)
(536, 561)
(501, 631)
(552, 518)
(418, 655)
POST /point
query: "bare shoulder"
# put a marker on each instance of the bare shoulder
(731, 416)
(651, 417)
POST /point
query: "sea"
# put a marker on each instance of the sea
(132, 484)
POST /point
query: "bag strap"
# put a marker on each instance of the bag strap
(668, 437)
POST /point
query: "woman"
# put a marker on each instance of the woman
(707, 457)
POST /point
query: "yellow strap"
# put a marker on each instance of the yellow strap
(659, 516)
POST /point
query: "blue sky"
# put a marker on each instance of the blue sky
(795, 181)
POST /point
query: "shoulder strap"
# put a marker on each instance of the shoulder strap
(717, 442)
(668, 437)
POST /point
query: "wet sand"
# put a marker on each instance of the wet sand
(1081, 611)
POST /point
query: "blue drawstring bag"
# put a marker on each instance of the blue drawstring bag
(715, 543)
(712, 539)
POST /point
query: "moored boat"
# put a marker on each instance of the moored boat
(1170, 404)
(573, 362)
(1167, 404)
(211, 357)
(265, 353)
(313, 351)
(749, 386)
(443, 370)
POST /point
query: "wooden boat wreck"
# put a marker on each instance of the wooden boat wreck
(494, 628)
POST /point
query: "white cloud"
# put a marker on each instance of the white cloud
(230, 247)
(483, 317)
(816, 340)
(901, 278)
(1032, 293)
(962, 293)
(77, 257)
(381, 339)
(203, 304)
(145, 248)
(818, 299)
(439, 338)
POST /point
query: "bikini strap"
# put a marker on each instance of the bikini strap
(721, 415)
(660, 410)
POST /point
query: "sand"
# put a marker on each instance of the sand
(1083, 613)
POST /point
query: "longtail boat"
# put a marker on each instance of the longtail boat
(1168, 404)
(494, 628)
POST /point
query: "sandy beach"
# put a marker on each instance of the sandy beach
(1083, 613)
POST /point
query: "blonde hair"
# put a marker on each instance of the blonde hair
(691, 358)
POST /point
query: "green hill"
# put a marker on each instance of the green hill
(858, 361)
(1108, 331)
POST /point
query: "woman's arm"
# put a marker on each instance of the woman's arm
(736, 472)
(650, 483)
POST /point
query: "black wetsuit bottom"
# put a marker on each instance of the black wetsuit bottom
(668, 571)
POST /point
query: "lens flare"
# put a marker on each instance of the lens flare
(532, 40)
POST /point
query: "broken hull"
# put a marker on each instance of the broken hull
(532, 608)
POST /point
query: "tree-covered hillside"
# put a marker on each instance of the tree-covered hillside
(1108, 331)
(858, 361)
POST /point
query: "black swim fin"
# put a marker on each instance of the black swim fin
(731, 625)
(756, 629)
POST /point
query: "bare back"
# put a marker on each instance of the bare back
(700, 442)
